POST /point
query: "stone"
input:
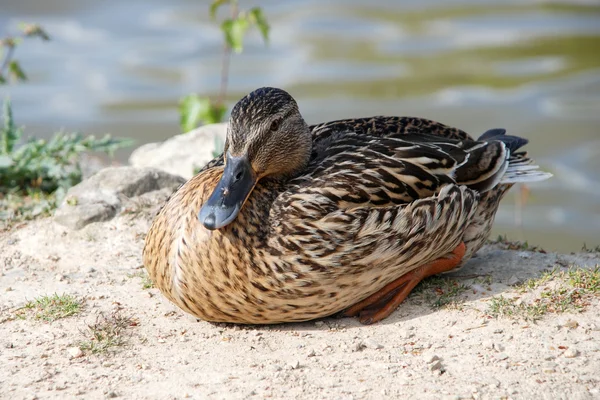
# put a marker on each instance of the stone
(437, 365)
(571, 353)
(102, 196)
(371, 344)
(181, 154)
(430, 358)
(74, 352)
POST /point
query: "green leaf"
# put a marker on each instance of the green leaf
(2, 80)
(215, 6)
(10, 134)
(257, 17)
(234, 30)
(5, 161)
(16, 72)
(194, 109)
(33, 30)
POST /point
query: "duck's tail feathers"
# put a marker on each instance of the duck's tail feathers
(521, 170)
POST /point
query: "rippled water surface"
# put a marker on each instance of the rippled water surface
(532, 67)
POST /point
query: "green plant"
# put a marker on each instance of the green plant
(194, 109)
(35, 175)
(10, 69)
(106, 333)
(555, 291)
(147, 283)
(51, 308)
(440, 291)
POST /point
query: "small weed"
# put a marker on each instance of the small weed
(504, 307)
(51, 308)
(35, 174)
(440, 291)
(534, 283)
(595, 249)
(146, 281)
(555, 291)
(106, 333)
(503, 241)
(586, 279)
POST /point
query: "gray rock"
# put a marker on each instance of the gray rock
(571, 353)
(181, 154)
(101, 197)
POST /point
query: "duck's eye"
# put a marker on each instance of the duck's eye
(274, 125)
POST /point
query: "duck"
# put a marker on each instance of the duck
(294, 222)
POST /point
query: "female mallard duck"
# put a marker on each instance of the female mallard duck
(296, 222)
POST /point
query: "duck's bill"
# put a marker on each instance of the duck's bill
(226, 201)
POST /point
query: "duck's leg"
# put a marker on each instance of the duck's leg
(381, 304)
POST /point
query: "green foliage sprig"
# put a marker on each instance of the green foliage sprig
(35, 174)
(10, 68)
(45, 165)
(195, 109)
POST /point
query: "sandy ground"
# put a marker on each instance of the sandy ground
(457, 351)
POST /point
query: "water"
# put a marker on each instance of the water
(530, 67)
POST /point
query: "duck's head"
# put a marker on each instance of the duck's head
(266, 137)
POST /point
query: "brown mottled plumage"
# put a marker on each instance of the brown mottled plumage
(340, 210)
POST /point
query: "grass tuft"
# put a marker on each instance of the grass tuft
(503, 241)
(555, 291)
(51, 308)
(147, 283)
(440, 291)
(106, 333)
(595, 249)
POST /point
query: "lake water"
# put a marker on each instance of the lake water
(531, 67)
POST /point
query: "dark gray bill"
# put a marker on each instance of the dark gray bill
(229, 196)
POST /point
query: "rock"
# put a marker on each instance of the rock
(571, 353)
(74, 352)
(181, 154)
(549, 367)
(371, 344)
(435, 366)
(101, 197)
(499, 347)
(294, 365)
(571, 324)
(429, 358)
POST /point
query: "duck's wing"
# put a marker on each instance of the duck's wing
(355, 170)
(387, 126)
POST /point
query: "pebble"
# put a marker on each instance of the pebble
(571, 324)
(429, 358)
(502, 356)
(571, 353)
(549, 368)
(74, 352)
(499, 347)
(294, 365)
(8, 289)
(311, 353)
(371, 344)
(437, 365)
(319, 324)
(406, 335)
